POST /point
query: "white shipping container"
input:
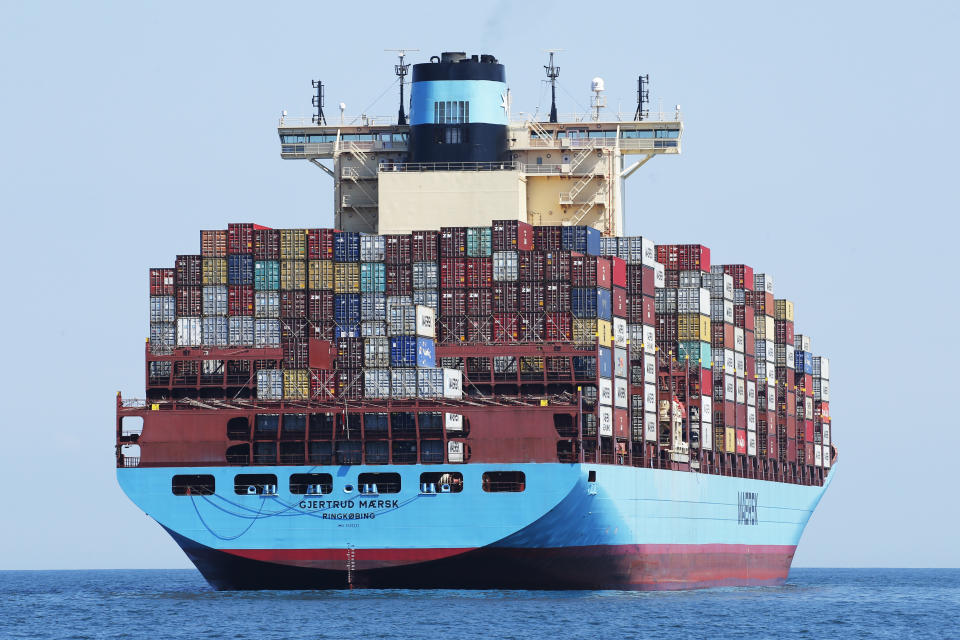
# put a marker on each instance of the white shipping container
(372, 248)
(649, 340)
(751, 418)
(270, 384)
(266, 332)
(706, 409)
(376, 383)
(453, 422)
(659, 276)
(240, 331)
(821, 367)
(729, 386)
(751, 443)
(649, 369)
(215, 332)
(373, 329)
(741, 392)
(163, 337)
(452, 384)
(506, 266)
(763, 282)
(751, 393)
(604, 391)
(425, 321)
(771, 395)
(706, 436)
(376, 353)
(215, 300)
(426, 275)
(650, 427)
(429, 382)
(826, 457)
(163, 309)
(393, 301)
(621, 396)
(739, 342)
(826, 433)
(808, 408)
(817, 455)
(739, 364)
(428, 299)
(402, 320)
(373, 307)
(606, 421)
(695, 300)
(801, 342)
(649, 397)
(189, 332)
(785, 356)
(403, 383)
(454, 451)
(620, 333)
(266, 304)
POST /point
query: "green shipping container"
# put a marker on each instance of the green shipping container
(266, 275)
(696, 351)
(478, 242)
(373, 277)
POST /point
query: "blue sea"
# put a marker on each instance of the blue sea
(815, 603)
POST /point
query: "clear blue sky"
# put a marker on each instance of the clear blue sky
(820, 147)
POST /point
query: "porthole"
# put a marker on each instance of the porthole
(348, 488)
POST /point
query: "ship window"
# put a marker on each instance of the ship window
(441, 481)
(431, 423)
(194, 485)
(431, 451)
(254, 483)
(637, 134)
(404, 452)
(375, 425)
(385, 482)
(238, 429)
(349, 452)
(592, 476)
(452, 135)
(497, 481)
(238, 454)
(304, 483)
(264, 452)
(266, 426)
(668, 133)
(294, 426)
(292, 138)
(321, 138)
(377, 452)
(451, 112)
(403, 423)
(321, 426)
(291, 452)
(321, 452)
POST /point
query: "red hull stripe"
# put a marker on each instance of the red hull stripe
(665, 566)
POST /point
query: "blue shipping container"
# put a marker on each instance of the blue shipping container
(411, 351)
(591, 302)
(582, 238)
(347, 331)
(346, 308)
(240, 269)
(346, 246)
(605, 362)
(426, 352)
(803, 361)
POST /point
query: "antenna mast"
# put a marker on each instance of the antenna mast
(552, 73)
(317, 101)
(643, 98)
(401, 70)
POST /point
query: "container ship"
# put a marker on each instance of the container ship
(474, 379)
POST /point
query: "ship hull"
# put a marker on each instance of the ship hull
(639, 529)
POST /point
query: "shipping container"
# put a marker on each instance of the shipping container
(556, 267)
(214, 331)
(372, 248)
(215, 300)
(425, 246)
(162, 281)
(783, 310)
(189, 332)
(320, 274)
(240, 238)
(452, 273)
(403, 383)
(163, 309)
(346, 309)
(376, 352)
(270, 384)
(373, 277)
(163, 337)
(293, 304)
(266, 275)
(558, 326)
(478, 273)
(478, 242)
(266, 304)
(398, 249)
(320, 245)
(453, 242)
(293, 244)
(590, 271)
(505, 266)
(189, 270)
(582, 239)
(693, 326)
(346, 277)
(511, 235)
(376, 383)
(426, 275)
(399, 280)
(240, 331)
(320, 305)
(428, 298)
(589, 302)
(346, 246)
(266, 244)
(266, 332)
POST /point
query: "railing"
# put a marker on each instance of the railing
(346, 121)
(388, 167)
(363, 120)
(626, 144)
(129, 462)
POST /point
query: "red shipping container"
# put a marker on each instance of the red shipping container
(548, 238)
(296, 355)
(323, 384)
(722, 335)
(743, 316)
(618, 272)
(240, 237)
(453, 242)
(398, 248)
(808, 453)
(424, 246)
(452, 329)
(808, 430)
(749, 342)
(649, 310)
(189, 301)
(452, 273)
(761, 301)
(294, 330)
(807, 381)
(162, 281)
(791, 404)
(189, 270)
(590, 271)
(399, 279)
(742, 275)
(453, 302)
(750, 364)
(479, 272)
(266, 244)
(671, 279)
(559, 326)
(320, 305)
(320, 244)
(532, 326)
(635, 309)
(293, 304)
(505, 327)
(350, 385)
(505, 296)
(323, 355)
(791, 450)
(556, 297)
(349, 353)
(531, 266)
(706, 380)
(240, 300)
(693, 257)
(618, 300)
(479, 302)
(531, 297)
(213, 243)
(324, 329)
(783, 331)
(511, 235)
(669, 256)
(557, 266)
(621, 424)
(479, 329)
(741, 441)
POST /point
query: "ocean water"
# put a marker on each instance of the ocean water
(815, 603)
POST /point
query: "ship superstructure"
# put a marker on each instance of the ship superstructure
(474, 379)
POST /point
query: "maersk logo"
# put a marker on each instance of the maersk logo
(747, 512)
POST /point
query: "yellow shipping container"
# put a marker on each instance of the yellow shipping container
(320, 274)
(293, 274)
(296, 384)
(764, 328)
(346, 277)
(293, 244)
(214, 271)
(590, 331)
(730, 440)
(784, 310)
(693, 326)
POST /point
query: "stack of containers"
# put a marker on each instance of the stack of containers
(821, 407)
(762, 301)
(744, 358)
(786, 391)
(722, 341)
(803, 384)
